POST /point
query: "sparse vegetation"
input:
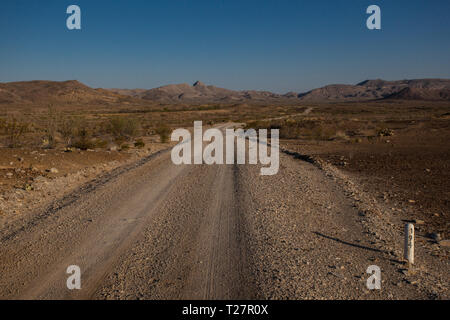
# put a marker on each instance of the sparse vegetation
(13, 130)
(51, 127)
(124, 147)
(298, 129)
(123, 128)
(68, 129)
(385, 132)
(139, 143)
(360, 131)
(100, 143)
(83, 139)
(163, 131)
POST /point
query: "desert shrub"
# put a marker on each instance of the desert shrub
(68, 130)
(100, 143)
(123, 128)
(323, 133)
(385, 132)
(51, 127)
(290, 130)
(370, 138)
(340, 135)
(163, 131)
(254, 125)
(139, 143)
(124, 147)
(83, 139)
(327, 132)
(117, 127)
(14, 131)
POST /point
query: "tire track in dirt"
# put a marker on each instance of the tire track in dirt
(88, 232)
(194, 249)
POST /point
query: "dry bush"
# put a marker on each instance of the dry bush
(123, 128)
(83, 137)
(385, 132)
(51, 127)
(68, 130)
(308, 129)
(77, 133)
(124, 147)
(340, 135)
(290, 131)
(100, 143)
(163, 131)
(139, 143)
(324, 132)
(14, 131)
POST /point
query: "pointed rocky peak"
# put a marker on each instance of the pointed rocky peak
(199, 84)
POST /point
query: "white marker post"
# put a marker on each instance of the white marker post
(409, 243)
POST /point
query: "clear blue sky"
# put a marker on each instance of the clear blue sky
(272, 45)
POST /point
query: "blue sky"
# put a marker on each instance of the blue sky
(271, 45)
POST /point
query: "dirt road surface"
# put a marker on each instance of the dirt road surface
(155, 230)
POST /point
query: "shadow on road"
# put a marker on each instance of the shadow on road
(355, 245)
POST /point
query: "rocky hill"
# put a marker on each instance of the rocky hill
(31, 92)
(419, 89)
(202, 93)
(41, 92)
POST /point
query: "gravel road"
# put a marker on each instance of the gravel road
(159, 231)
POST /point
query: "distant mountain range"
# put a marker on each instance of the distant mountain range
(419, 89)
(72, 91)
